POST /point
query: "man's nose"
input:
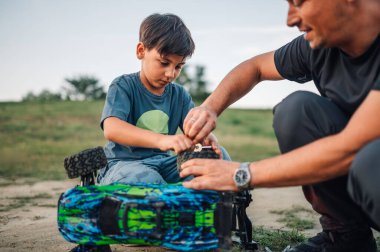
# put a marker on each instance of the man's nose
(293, 16)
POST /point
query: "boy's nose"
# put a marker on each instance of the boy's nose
(169, 73)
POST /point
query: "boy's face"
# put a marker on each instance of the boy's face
(158, 70)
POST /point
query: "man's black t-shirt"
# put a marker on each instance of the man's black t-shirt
(344, 80)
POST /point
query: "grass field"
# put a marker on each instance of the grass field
(36, 137)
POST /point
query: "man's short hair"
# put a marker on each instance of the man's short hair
(168, 34)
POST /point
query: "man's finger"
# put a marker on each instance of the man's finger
(194, 162)
(191, 170)
(194, 167)
(204, 131)
(195, 126)
(195, 183)
(189, 120)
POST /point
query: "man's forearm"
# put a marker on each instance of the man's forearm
(241, 80)
(323, 159)
(318, 161)
(235, 85)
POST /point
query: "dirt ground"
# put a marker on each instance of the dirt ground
(28, 215)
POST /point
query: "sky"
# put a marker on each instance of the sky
(42, 42)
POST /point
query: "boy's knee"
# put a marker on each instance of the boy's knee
(225, 154)
(130, 173)
(148, 177)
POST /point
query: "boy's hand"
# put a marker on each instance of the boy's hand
(176, 143)
(212, 141)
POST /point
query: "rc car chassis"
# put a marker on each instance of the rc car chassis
(162, 215)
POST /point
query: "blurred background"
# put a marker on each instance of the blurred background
(45, 42)
(57, 59)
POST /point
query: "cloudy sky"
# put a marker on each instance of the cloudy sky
(42, 42)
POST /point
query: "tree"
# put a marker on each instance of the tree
(196, 85)
(84, 87)
(45, 95)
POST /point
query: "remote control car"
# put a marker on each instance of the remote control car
(167, 215)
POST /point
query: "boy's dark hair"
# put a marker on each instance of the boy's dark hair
(168, 34)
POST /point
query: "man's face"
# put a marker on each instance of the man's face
(158, 70)
(324, 22)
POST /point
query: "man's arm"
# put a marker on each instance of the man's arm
(321, 160)
(124, 133)
(202, 120)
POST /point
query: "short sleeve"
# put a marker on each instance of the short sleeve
(292, 60)
(117, 103)
(376, 86)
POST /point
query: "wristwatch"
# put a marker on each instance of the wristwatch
(242, 176)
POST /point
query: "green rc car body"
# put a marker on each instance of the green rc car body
(171, 216)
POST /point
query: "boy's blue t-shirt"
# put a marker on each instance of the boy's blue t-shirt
(129, 100)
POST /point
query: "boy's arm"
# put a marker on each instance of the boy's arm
(121, 132)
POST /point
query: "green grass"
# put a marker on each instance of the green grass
(273, 240)
(276, 240)
(247, 134)
(292, 220)
(37, 136)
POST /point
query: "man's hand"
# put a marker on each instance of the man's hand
(212, 141)
(210, 174)
(199, 123)
(177, 143)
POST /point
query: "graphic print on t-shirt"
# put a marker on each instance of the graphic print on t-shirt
(154, 120)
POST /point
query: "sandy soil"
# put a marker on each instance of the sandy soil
(32, 226)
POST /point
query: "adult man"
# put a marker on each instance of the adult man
(330, 143)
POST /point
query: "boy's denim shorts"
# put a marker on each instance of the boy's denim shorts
(157, 169)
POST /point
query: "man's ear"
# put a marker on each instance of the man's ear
(140, 50)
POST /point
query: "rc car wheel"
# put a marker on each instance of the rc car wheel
(187, 155)
(85, 162)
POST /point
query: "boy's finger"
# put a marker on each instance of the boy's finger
(189, 143)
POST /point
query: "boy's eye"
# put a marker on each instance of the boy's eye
(164, 63)
(179, 67)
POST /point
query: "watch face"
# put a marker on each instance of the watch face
(241, 177)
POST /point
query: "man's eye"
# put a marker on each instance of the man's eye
(297, 3)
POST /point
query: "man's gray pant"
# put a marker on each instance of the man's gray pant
(345, 202)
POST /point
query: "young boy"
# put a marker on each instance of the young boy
(143, 110)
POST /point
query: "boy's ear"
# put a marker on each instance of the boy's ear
(140, 50)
